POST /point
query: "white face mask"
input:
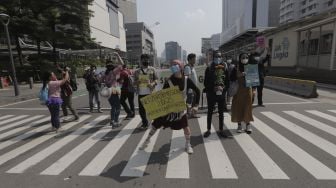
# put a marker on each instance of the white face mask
(244, 61)
(229, 61)
(257, 58)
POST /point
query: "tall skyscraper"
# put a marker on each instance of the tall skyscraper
(297, 9)
(129, 10)
(173, 51)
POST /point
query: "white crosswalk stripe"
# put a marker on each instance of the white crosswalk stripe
(22, 149)
(20, 168)
(178, 164)
(18, 123)
(74, 154)
(323, 115)
(267, 168)
(319, 125)
(12, 119)
(22, 128)
(323, 144)
(312, 165)
(6, 116)
(220, 164)
(97, 165)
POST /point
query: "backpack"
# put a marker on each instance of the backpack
(43, 95)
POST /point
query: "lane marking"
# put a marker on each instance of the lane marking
(322, 115)
(319, 125)
(40, 156)
(19, 129)
(178, 163)
(308, 162)
(266, 167)
(220, 164)
(138, 162)
(26, 147)
(6, 116)
(11, 120)
(101, 160)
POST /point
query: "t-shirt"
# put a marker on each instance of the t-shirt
(191, 73)
(54, 88)
(144, 77)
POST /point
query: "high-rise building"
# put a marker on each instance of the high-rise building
(241, 15)
(107, 25)
(296, 9)
(140, 40)
(215, 41)
(129, 9)
(173, 51)
(206, 44)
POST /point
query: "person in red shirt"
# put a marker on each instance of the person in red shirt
(127, 92)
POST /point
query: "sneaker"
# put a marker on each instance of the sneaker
(207, 134)
(143, 126)
(144, 145)
(240, 128)
(130, 116)
(189, 149)
(91, 111)
(100, 111)
(222, 134)
(76, 117)
(248, 128)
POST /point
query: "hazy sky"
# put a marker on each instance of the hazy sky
(183, 21)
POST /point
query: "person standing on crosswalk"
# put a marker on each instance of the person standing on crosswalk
(190, 72)
(127, 92)
(145, 80)
(216, 83)
(93, 85)
(241, 110)
(54, 101)
(113, 81)
(178, 120)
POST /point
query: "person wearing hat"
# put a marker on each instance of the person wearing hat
(176, 120)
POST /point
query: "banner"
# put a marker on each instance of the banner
(260, 41)
(252, 75)
(163, 102)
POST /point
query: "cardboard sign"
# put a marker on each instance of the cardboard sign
(252, 75)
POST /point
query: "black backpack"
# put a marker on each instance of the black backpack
(73, 85)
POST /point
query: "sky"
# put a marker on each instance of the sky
(183, 21)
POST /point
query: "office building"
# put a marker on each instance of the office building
(173, 51)
(129, 9)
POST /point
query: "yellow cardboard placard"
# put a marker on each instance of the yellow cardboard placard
(143, 81)
(163, 102)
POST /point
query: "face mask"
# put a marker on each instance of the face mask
(257, 58)
(145, 63)
(174, 69)
(244, 61)
(217, 60)
(229, 61)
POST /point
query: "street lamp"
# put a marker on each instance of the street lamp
(4, 18)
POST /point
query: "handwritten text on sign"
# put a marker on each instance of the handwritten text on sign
(163, 102)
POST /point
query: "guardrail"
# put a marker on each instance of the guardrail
(304, 88)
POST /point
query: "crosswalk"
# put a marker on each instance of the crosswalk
(27, 146)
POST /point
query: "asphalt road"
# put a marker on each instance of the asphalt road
(293, 145)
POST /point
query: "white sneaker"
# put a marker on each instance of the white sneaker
(189, 149)
(240, 128)
(144, 145)
(249, 129)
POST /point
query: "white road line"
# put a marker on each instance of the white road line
(333, 111)
(64, 162)
(266, 167)
(308, 162)
(178, 163)
(319, 125)
(323, 144)
(97, 165)
(322, 115)
(12, 125)
(19, 129)
(220, 165)
(6, 116)
(20, 168)
(287, 95)
(13, 119)
(137, 164)
(26, 147)
(25, 109)
(18, 102)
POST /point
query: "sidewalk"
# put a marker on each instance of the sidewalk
(7, 95)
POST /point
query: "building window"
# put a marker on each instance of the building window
(327, 38)
(314, 36)
(303, 11)
(114, 20)
(304, 2)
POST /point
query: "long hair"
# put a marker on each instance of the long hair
(240, 64)
(45, 79)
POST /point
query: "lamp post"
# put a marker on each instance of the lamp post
(4, 18)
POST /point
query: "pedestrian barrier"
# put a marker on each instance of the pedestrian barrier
(304, 88)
